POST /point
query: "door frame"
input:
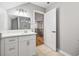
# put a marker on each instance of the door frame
(40, 12)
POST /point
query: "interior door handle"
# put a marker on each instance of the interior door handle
(54, 31)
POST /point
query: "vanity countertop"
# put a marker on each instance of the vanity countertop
(4, 35)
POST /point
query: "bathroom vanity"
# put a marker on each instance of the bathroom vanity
(18, 44)
(14, 41)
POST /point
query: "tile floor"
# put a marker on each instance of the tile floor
(43, 50)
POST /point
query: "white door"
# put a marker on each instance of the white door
(50, 29)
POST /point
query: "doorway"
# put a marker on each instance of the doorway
(39, 28)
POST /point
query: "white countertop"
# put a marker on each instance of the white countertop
(4, 35)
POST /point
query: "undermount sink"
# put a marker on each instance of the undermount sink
(25, 31)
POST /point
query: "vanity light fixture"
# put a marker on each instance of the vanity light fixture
(21, 11)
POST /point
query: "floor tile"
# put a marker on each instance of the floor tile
(43, 50)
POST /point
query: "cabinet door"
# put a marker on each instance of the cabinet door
(11, 46)
(32, 47)
(27, 45)
(23, 46)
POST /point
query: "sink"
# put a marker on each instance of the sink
(25, 31)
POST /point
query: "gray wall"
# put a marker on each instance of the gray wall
(69, 28)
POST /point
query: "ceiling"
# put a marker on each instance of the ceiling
(43, 4)
(8, 5)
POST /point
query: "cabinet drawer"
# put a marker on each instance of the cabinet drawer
(11, 50)
(12, 40)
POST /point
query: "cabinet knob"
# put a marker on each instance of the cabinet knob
(11, 49)
(28, 42)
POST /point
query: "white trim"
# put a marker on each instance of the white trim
(65, 53)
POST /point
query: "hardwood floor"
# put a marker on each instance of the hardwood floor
(39, 40)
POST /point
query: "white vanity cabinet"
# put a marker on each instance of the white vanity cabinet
(9, 46)
(21, 45)
(27, 45)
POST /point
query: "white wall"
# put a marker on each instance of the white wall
(29, 8)
(3, 20)
(69, 28)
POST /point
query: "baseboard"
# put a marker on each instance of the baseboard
(63, 52)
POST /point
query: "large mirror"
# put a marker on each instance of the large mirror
(20, 23)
